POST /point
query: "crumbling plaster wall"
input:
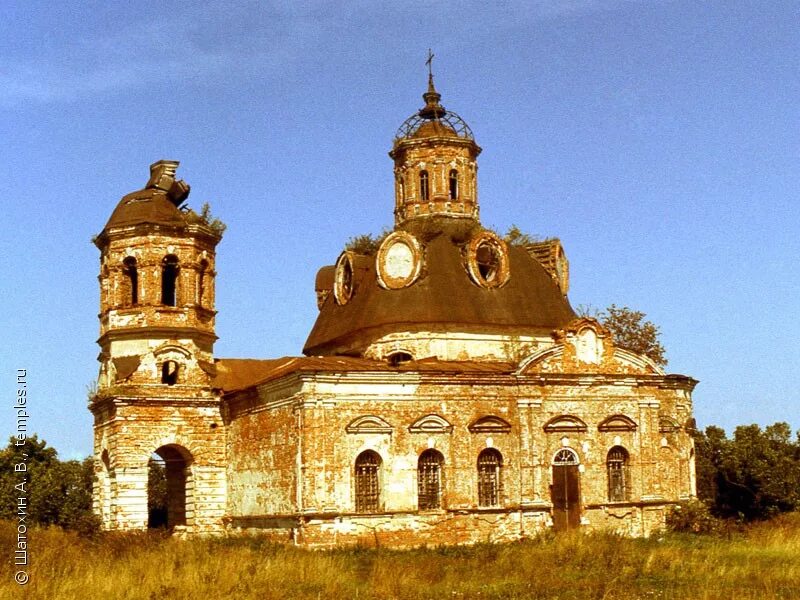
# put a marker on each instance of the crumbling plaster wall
(445, 344)
(263, 454)
(327, 404)
(129, 430)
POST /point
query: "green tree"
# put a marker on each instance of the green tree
(754, 475)
(632, 332)
(366, 243)
(516, 237)
(156, 493)
(710, 447)
(58, 493)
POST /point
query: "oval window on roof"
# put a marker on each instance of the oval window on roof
(343, 278)
(399, 261)
(487, 260)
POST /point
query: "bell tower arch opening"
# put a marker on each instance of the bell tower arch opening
(169, 280)
(169, 487)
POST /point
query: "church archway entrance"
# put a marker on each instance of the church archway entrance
(168, 487)
(566, 491)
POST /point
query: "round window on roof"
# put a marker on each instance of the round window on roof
(343, 278)
(487, 260)
(399, 261)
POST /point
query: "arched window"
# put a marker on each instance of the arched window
(169, 280)
(453, 180)
(132, 281)
(169, 372)
(424, 192)
(490, 465)
(429, 479)
(368, 490)
(201, 281)
(618, 474)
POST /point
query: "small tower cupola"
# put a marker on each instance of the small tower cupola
(435, 163)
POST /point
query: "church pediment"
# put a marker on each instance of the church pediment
(490, 424)
(565, 423)
(368, 424)
(586, 346)
(431, 424)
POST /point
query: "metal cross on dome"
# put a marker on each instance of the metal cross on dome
(429, 62)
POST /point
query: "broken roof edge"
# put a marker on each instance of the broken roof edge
(347, 342)
(236, 375)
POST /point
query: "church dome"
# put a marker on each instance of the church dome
(449, 124)
(447, 294)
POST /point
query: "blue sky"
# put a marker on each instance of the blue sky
(658, 140)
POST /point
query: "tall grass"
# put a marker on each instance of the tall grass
(761, 561)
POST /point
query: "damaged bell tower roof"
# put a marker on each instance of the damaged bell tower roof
(157, 203)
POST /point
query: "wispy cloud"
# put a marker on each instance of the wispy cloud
(206, 43)
(132, 57)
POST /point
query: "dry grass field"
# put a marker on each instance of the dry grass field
(761, 561)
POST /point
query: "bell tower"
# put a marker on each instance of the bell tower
(435, 163)
(154, 393)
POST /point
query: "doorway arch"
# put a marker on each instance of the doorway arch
(566, 490)
(169, 498)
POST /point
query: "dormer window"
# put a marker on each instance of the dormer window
(453, 180)
(487, 260)
(169, 280)
(424, 191)
(132, 281)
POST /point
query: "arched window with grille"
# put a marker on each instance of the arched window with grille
(429, 479)
(618, 474)
(453, 181)
(131, 281)
(424, 191)
(490, 466)
(169, 280)
(368, 487)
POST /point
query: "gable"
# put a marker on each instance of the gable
(584, 345)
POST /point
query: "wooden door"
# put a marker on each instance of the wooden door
(566, 495)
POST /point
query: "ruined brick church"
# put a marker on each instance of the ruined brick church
(447, 392)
